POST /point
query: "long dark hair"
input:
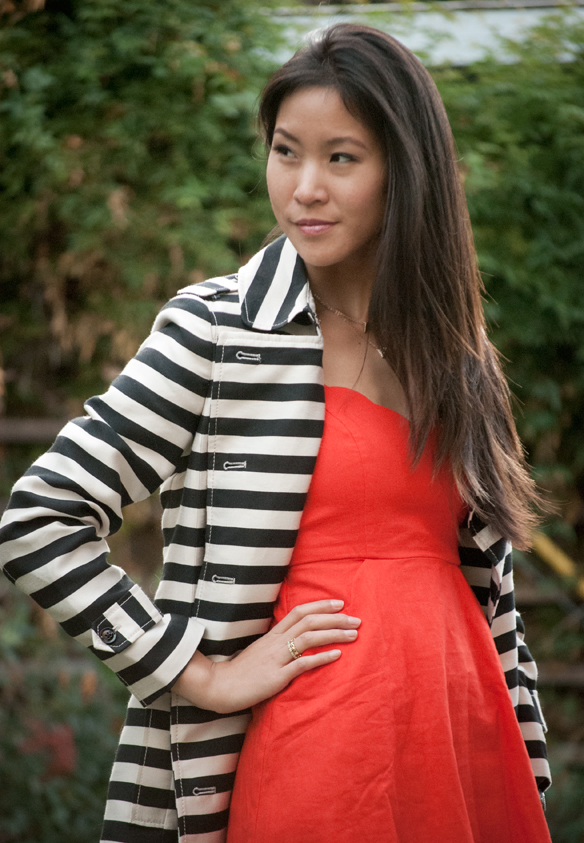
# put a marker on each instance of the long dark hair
(426, 306)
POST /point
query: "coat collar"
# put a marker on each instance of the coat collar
(273, 287)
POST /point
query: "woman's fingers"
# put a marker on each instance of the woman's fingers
(306, 663)
(319, 630)
(322, 638)
(299, 612)
(312, 625)
(322, 614)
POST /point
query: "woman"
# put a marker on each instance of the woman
(384, 699)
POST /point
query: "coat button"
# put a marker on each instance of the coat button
(108, 636)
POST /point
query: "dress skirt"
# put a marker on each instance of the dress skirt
(411, 736)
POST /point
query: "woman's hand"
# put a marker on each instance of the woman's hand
(267, 666)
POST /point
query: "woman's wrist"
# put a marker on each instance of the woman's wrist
(205, 683)
(196, 681)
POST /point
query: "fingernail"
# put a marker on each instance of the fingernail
(335, 653)
(351, 633)
(338, 604)
(356, 621)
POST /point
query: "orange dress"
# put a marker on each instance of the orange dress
(410, 737)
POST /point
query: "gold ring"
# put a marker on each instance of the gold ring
(293, 651)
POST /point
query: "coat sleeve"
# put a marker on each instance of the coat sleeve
(487, 563)
(53, 536)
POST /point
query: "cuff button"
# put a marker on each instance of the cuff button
(108, 636)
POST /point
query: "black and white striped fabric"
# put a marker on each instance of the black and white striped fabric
(223, 409)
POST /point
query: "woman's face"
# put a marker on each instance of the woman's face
(327, 181)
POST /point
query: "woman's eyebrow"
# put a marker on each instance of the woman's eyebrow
(331, 142)
(346, 139)
(286, 134)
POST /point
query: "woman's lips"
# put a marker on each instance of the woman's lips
(314, 226)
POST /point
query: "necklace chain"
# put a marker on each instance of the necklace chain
(351, 321)
(341, 314)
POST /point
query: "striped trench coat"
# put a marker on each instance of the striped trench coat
(223, 409)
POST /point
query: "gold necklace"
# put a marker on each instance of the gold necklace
(351, 321)
(341, 314)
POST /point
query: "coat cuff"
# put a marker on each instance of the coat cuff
(151, 664)
(124, 622)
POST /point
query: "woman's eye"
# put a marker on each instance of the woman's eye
(281, 149)
(342, 157)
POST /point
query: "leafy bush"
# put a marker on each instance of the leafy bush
(126, 171)
(566, 804)
(520, 132)
(60, 714)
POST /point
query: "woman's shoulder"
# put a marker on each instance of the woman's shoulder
(212, 288)
(204, 304)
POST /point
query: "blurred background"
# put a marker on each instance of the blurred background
(129, 167)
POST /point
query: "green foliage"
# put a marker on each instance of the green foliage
(520, 132)
(60, 712)
(566, 804)
(565, 799)
(126, 171)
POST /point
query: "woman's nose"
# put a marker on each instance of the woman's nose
(310, 187)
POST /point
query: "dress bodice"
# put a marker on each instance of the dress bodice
(365, 494)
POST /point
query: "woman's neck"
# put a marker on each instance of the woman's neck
(347, 289)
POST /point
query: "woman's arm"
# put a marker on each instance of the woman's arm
(53, 534)
(487, 564)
